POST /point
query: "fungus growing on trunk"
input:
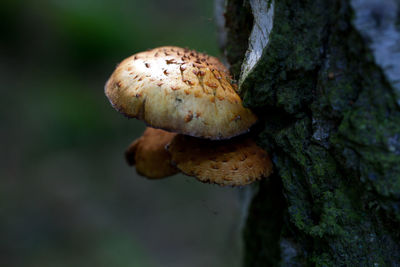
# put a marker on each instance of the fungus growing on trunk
(149, 155)
(191, 93)
(179, 90)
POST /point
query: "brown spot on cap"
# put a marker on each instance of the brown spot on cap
(170, 61)
(189, 116)
(212, 85)
(188, 82)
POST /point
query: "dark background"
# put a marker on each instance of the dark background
(67, 197)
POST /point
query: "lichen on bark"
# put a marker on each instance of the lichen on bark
(331, 122)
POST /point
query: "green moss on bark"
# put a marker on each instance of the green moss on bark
(333, 128)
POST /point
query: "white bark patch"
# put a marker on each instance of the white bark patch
(263, 12)
(376, 21)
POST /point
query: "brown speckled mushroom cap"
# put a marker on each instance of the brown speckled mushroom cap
(179, 90)
(233, 162)
(149, 155)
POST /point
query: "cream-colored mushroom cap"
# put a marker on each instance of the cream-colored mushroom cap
(149, 155)
(179, 90)
(233, 162)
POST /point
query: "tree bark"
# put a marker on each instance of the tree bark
(325, 83)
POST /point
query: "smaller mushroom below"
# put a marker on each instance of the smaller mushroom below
(149, 155)
(234, 162)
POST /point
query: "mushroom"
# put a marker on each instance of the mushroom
(179, 90)
(149, 155)
(191, 93)
(234, 162)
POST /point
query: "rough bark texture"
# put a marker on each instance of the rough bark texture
(331, 120)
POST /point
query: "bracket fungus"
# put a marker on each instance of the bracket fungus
(179, 90)
(233, 162)
(149, 155)
(193, 95)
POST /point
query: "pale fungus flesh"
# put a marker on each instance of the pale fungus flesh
(179, 90)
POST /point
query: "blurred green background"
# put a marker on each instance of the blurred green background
(67, 197)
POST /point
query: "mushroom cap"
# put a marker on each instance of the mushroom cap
(233, 162)
(179, 90)
(149, 155)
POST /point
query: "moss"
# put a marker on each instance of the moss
(335, 141)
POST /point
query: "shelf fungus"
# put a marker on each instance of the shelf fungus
(193, 97)
(234, 162)
(149, 155)
(179, 90)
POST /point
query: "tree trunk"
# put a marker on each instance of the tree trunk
(324, 79)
